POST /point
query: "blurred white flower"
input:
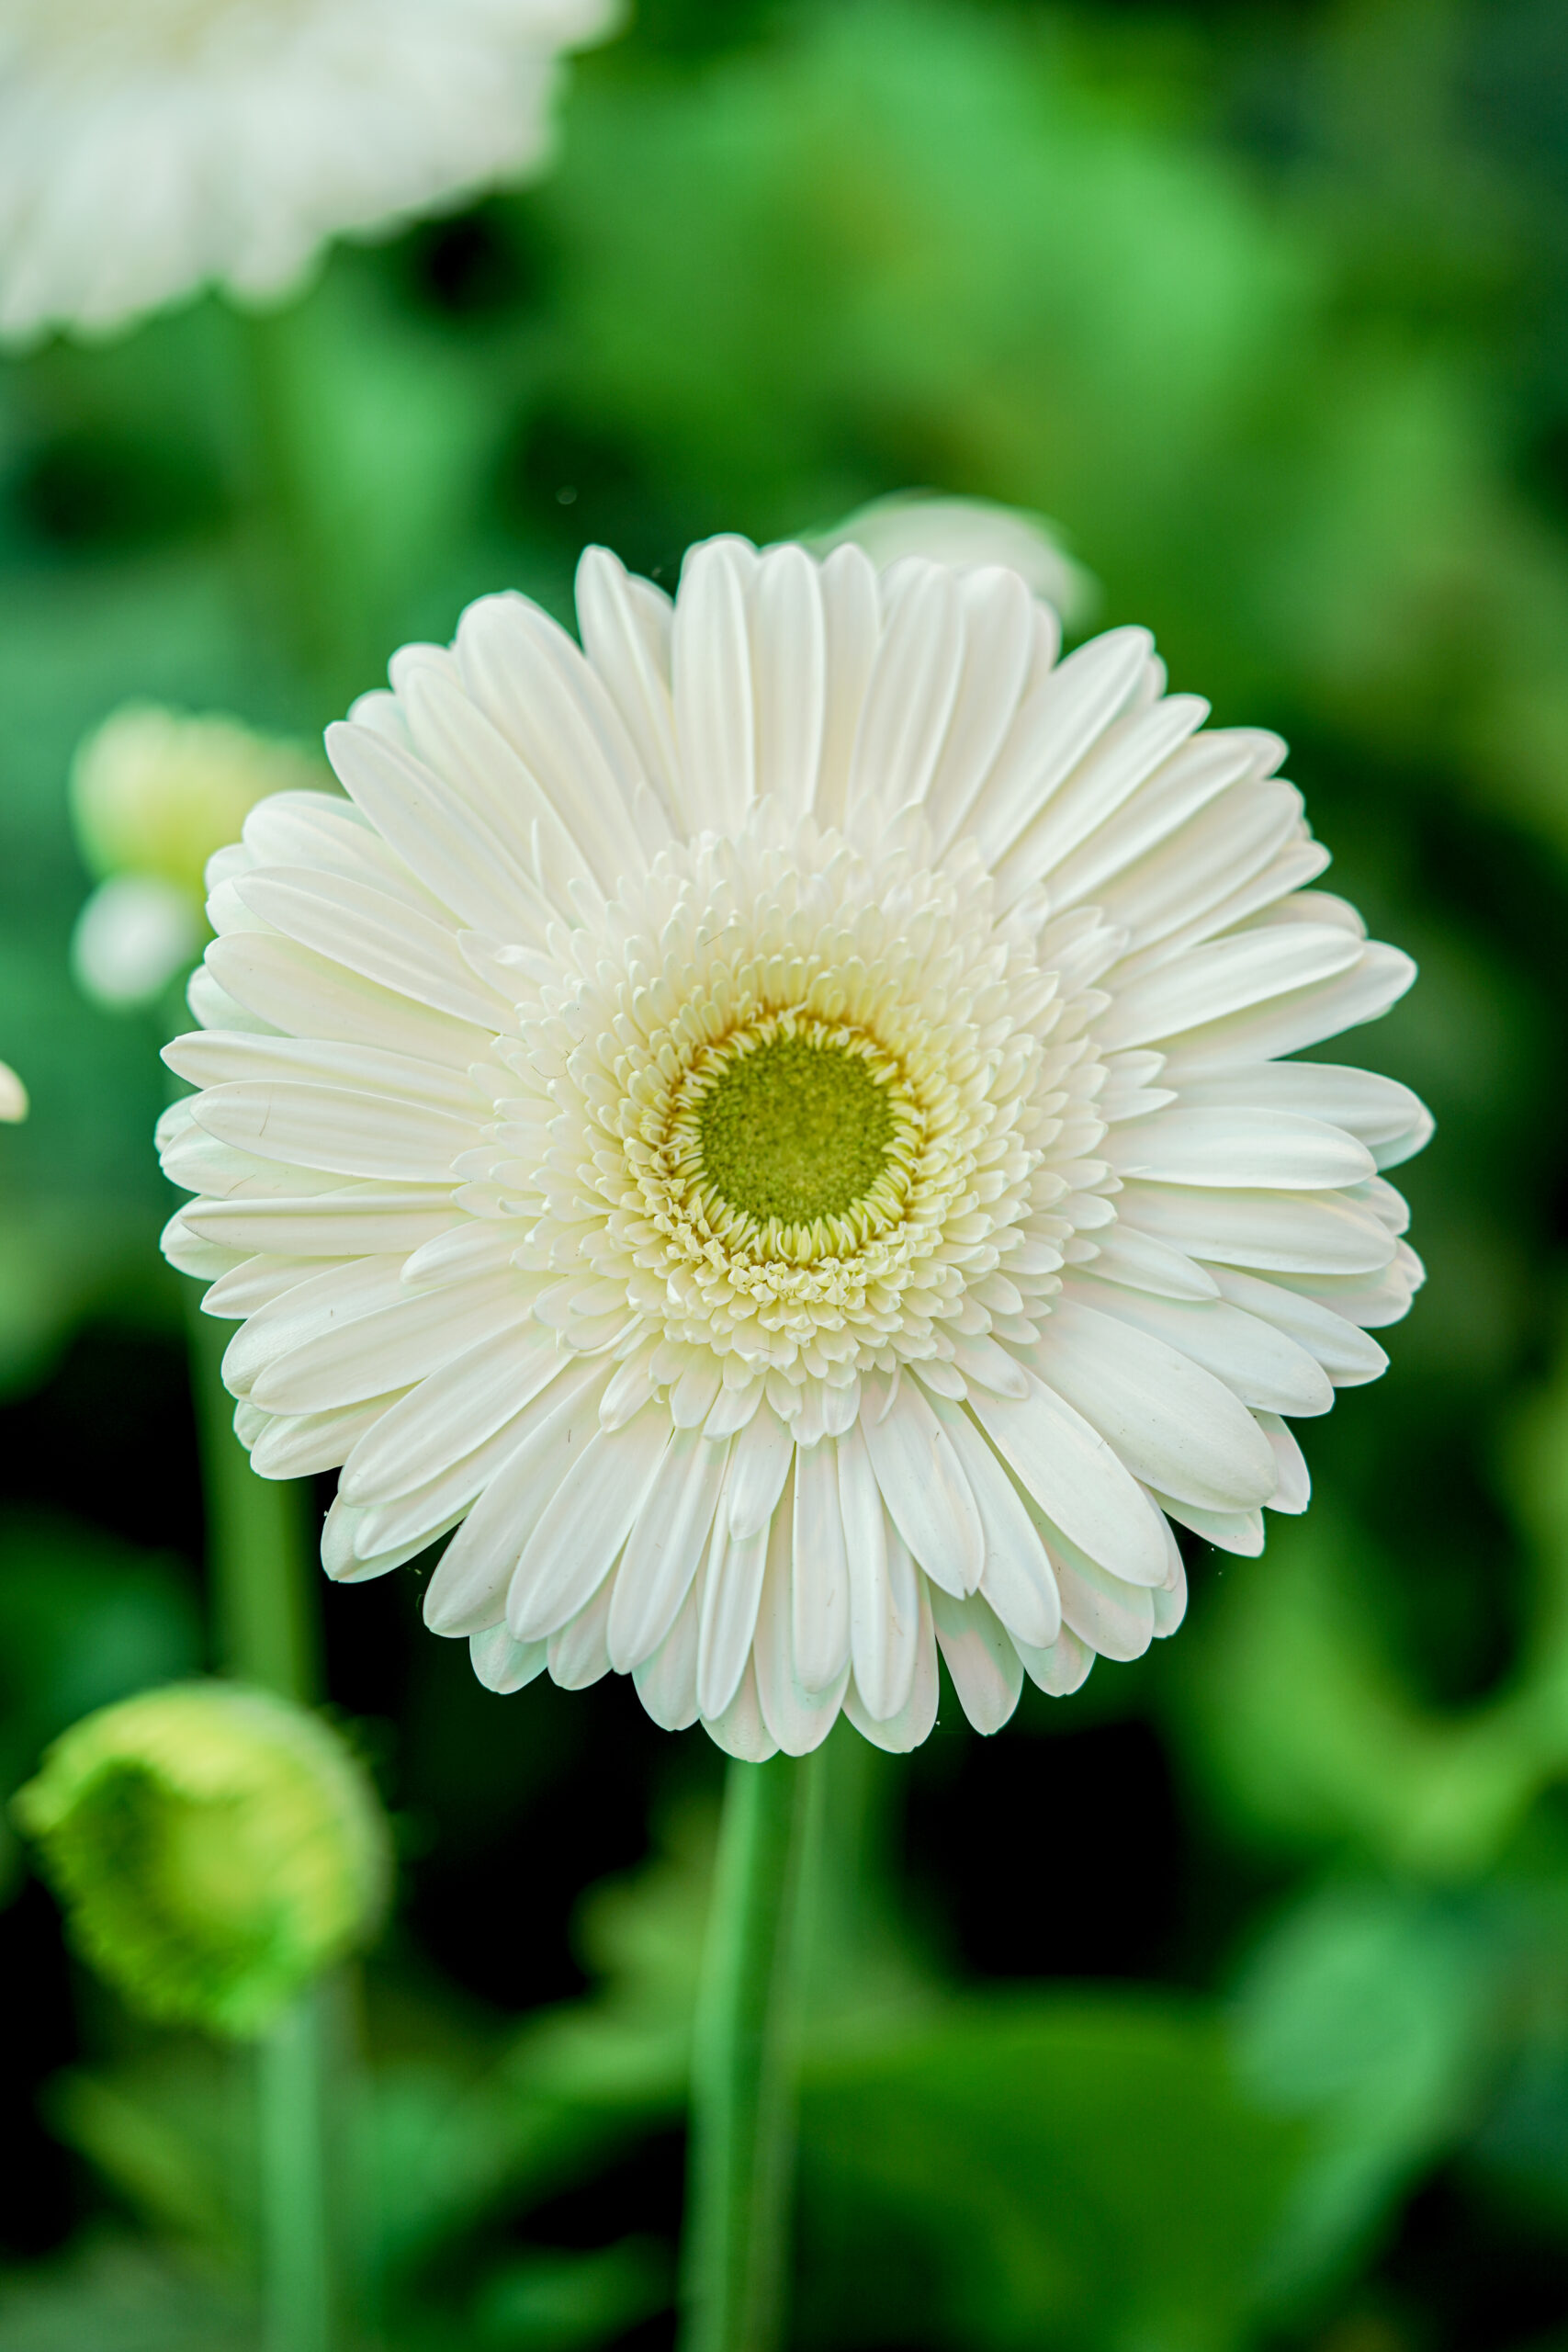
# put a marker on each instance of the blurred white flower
(964, 531)
(151, 149)
(776, 1125)
(132, 938)
(153, 794)
(13, 1095)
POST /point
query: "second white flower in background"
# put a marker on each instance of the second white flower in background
(149, 150)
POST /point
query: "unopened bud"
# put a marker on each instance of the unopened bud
(155, 791)
(153, 794)
(214, 1849)
(968, 531)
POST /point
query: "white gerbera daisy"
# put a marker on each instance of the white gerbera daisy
(147, 150)
(772, 1127)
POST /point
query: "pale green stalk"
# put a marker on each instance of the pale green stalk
(262, 1578)
(740, 2174)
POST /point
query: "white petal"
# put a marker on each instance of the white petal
(1061, 1670)
(1377, 978)
(667, 1682)
(538, 691)
(884, 1615)
(1295, 1491)
(818, 1583)
(1077, 1479)
(502, 1664)
(576, 1539)
(715, 714)
(1174, 1425)
(1236, 1146)
(344, 1562)
(1016, 1578)
(1240, 1532)
(333, 1129)
(731, 1596)
(452, 1411)
(1210, 983)
(924, 1487)
(1140, 1261)
(852, 628)
(625, 625)
(432, 1508)
(1114, 1619)
(352, 1220)
(370, 933)
(1087, 802)
(469, 847)
(340, 1296)
(1274, 1232)
(668, 1537)
(798, 1719)
(1194, 871)
(1346, 1354)
(986, 1669)
(910, 694)
(999, 649)
(788, 656)
(221, 1057)
(758, 1468)
(1257, 1361)
(741, 1730)
(1383, 1114)
(897, 1734)
(1064, 711)
(313, 995)
(579, 1651)
(390, 1347)
(467, 1590)
(301, 1445)
(1161, 812)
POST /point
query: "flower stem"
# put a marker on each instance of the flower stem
(257, 1544)
(293, 2075)
(268, 1633)
(743, 2063)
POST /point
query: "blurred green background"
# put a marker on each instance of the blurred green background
(1226, 2004)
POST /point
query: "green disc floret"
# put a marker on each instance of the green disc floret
(795, 1129)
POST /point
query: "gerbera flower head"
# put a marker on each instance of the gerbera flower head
(146, 151)
(776, 1125)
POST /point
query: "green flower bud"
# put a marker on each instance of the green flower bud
(214, 1849)
(155, 792)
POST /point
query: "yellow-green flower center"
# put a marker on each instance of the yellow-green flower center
(794, 1136)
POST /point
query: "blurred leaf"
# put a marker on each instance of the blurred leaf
(172, 2131)
(567, 2303)
(1297, 1707)
(1370, 2008)
(110, 2295)
(1040, 2168)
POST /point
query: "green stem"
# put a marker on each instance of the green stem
(264, 1606)
(263, 1597)
(743, 2064)
(293, 2072)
